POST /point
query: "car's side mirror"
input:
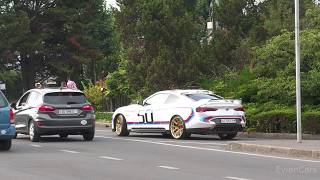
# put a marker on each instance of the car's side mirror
(140, 103)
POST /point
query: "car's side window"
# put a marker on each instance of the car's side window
(3, 101)
(23, 100)
(156, 99)
(33, 99)
(172, 99)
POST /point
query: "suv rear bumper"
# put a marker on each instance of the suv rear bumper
(8, 133)
(64, 126)
(46, 130)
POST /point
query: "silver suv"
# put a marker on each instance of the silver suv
(54, 111)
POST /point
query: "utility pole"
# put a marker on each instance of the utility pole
(298, 84)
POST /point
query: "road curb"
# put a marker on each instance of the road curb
(273, 150)
(102, 124)
(277, 136)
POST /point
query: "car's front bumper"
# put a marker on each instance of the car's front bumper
(8, 133)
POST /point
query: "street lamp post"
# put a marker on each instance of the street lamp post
(298, 84)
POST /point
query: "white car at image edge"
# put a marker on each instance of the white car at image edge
(180, 113)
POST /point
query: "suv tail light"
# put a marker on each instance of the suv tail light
(239, 109)
(11, 117)
(45, 108)
(87, 108)
(205, 109)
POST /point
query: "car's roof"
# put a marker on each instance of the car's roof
(52, 90)
(187, 91)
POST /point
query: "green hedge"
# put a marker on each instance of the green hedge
(311, 122)
(275, 121)
(281, 120)
(104, 116)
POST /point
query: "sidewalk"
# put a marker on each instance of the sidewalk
(282, 147)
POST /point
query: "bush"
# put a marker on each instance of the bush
(311, 122)
(104, 116)
(94, 95)
(275, 121)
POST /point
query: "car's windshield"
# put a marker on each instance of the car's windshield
(200, 96)
(3, 101)
(65, 98)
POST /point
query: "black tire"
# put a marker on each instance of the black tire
(6, 145)
(166, 135)
(89, 135)
(15, 136)
(63, 135)
(121, 127)
(34, 135)
(225, 136)
(183, 134)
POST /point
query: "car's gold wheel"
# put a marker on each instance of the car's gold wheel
(121, 126)
(177, 128)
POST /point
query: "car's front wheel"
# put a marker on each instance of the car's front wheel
(5, 145)
(33, 132)
(178, 128)
(121, 126)
(225, 136)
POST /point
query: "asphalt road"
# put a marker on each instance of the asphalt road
(143, 157)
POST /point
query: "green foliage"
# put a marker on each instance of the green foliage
(311, 122)
(103, 116)
(94, 94)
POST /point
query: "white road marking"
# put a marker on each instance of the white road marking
(35, 145)
(184, 142)
(211, 149)
(235, 178)
(99, 136)
(111, 158)
(102, 130)
(68, 151)
(168, 167)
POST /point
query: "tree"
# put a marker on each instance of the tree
(161, 42)
(56, 38)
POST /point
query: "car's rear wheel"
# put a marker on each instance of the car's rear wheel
(5, 144)
(121, 126)
(89, 135)
(63, 135)
(227, 136)
(33, 132)
(178, 128)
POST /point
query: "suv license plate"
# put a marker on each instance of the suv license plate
(68, 111)
(228, 121)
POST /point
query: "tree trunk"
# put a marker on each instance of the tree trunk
(28, 73)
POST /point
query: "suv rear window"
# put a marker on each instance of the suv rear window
(200, 96)
(65, 98)
(3, 101)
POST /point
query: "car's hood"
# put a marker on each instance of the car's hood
(129, 108)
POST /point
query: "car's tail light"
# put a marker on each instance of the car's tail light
(45, 108)
(239, 109)
(87, 108)
(11, 117)
(205, 109)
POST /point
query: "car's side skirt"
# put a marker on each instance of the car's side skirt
(148, 130)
